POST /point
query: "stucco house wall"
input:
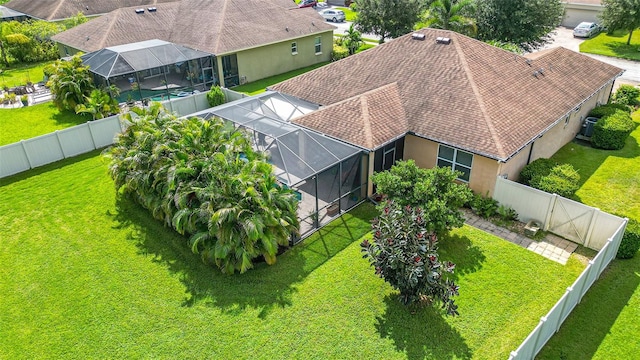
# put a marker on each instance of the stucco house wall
(575, 13)
(258, 63)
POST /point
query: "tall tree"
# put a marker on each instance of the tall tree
(70, 81)
(388, 18)
(452, 15)
(527, 23)
(621, 15)
(352, 40)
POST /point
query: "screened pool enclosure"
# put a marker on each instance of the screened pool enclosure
(154, 69)
(328, 175)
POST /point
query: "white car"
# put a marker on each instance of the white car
(333, 15)
(586, 29)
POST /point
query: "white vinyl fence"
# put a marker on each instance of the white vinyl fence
(582, 224)
(578, 222)
(58, 145)
(197, 102)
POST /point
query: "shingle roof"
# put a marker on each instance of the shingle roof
(467, 94)
(63, 9)
(215, 26)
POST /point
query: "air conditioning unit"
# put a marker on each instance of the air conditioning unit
(587, 126)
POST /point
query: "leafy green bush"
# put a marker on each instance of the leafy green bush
(608, 109)
(484, 206)
(627, 95)
(630, 241)
(215, 96)
(354, 7)
(539, 167)
(339, 52)
(562, 180)
(507, 213)
(611, 131)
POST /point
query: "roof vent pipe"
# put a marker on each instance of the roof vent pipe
(152, 9)
(417, 36)
(139, 11)
(443, 40)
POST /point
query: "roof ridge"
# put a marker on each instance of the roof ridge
(223, 14)
(56, 9)
(106, 33)
(364, 107)
(479, 99)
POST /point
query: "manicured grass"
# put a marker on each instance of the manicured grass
(349, 14)
(605, 324)
(27, 122)
(260, 86)
(84, 275)
(613, 45)
(19, 74)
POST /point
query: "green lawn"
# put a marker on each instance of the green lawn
(27, 122)
(605, 324)
(260, 86)
(86, 276)
(349, 14)
(19, 74)
(614, 45)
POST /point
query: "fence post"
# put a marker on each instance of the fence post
(26, 154)
(606, 260)
(592, 225)
(543, 320)
(60, 144)
(552, 206)
(584, 283)
(564, 306)
(93, 140)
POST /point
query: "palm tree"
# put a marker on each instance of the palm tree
(70, 82)
(352, 40)
(452, 15)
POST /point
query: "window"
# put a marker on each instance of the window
(455, 159)
(318, 45)
(294, 48)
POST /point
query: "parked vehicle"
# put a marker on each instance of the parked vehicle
(586, 29)
(308, 3)
(333, 15)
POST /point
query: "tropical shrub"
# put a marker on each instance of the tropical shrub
(484, 206)
(630, 241)
(607, 109)
(507, 213)
(538, 167)
(69, 81)
(611, 131)
(99, 104)
(433, 190)
(215, 96)
(202, 178)
(627, 95)
(405, 254)
(563, 180)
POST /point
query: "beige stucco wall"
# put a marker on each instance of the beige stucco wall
(424, 152)
(258, 63)
(65, 50)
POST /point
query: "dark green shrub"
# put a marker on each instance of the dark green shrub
(539, 167)
(626, 95)
(562, 180)
(608, 109)
(611, 131)
(630, 241)
(507, 213)
(484, 206)
(215, 96)
(339, 52)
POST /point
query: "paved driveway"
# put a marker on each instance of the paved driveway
(564, 37)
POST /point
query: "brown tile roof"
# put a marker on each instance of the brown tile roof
(370, 120)
(215, 26)
(467, 94)
(63, 9)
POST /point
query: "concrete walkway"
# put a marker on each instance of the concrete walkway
(552, 247)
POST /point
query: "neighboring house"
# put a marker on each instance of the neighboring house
(459, 103)
(52, 10)
(249, 39)
(577, 11)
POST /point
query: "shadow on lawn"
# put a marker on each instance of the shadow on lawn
(461, 251)
(422, 334)
(263, 287)
(597, 312)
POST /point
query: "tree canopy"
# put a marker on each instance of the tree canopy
(453, 15)
(527, 23)
(203, 179)
(433, 190)
(70, 83)
(621, 15)
(388, 18)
